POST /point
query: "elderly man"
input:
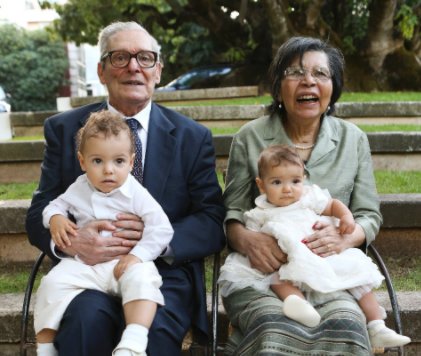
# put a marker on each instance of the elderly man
(178, 168)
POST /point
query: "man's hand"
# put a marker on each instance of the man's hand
(261, 249)
(92, 249)
(124, 263)
(129, 227)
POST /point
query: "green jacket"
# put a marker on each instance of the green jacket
(340, 162)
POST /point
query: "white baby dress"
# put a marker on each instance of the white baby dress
(289, 225)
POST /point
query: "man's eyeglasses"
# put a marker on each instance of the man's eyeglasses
(121, 59)
(320, 74)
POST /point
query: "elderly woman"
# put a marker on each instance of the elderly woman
(307, 79)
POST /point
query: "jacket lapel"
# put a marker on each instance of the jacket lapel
(160, 152)
(326, 141)
(93, 108)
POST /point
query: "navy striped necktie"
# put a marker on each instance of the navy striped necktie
(137, 167)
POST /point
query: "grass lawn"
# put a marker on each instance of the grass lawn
(15, 191)
(388, 182)
(267, 99)
(216, 130)
(405, 274)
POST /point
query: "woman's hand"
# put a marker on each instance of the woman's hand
(261, 249)
(327, 241)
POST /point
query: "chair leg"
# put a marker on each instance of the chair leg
(215, 303)
(391, 291)
(26, 304)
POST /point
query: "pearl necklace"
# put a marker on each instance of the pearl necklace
(303, 148)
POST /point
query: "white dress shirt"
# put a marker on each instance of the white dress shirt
(143, 118)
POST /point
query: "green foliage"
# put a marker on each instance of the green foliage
(407, 21)
(32, 67)
(349, 18)
(197, 32)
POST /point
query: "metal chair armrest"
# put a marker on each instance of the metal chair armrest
(27, 302)
(391, 291)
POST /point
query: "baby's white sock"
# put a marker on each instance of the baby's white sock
(382, 312)
(301, 310)
(46, 349)
(133, 341)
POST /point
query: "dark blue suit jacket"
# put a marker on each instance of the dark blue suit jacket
(179, 173)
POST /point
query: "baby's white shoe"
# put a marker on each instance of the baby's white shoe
(382, 336)
(301, 310)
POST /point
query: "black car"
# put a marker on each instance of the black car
(203, 77)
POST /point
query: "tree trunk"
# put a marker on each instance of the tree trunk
(313, 14)
(278, 22)
(380, 41)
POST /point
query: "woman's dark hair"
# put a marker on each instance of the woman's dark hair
(297, 47)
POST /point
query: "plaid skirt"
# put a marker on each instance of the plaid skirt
(260, 328)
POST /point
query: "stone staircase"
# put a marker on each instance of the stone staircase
(11, 306)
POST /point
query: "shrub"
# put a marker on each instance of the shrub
(32, 67)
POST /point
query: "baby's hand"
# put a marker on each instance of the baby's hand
(347, 224)
(60, 228)
(124, 263)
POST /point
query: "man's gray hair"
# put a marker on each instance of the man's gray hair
(115, 27)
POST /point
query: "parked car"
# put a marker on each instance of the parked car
(4, 101)
(213, 76)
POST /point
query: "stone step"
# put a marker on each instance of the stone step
(398, 151)
(31, 123)
(409, 302)
(400, 234)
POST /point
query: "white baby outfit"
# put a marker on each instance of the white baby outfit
(71, 277)
(351, 269)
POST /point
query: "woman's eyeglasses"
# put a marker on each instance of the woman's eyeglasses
(320, 74)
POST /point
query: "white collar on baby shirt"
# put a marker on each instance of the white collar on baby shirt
(125, 189)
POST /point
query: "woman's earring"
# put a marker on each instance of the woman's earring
(280, 106)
